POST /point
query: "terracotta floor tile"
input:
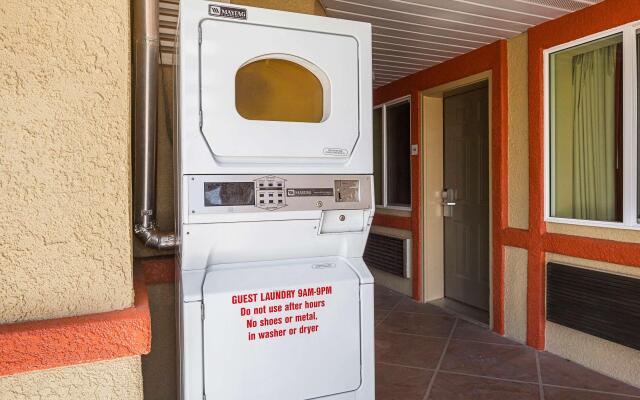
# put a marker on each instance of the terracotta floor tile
(558, 371)
(419, 324)
(414, 335)
(507, 362)
(413, 351)
(409, 305)
(381, 288)
(386, 299)
(459, 387)
(401, 383)
(552, 393)
(381, 314)
(468, 331)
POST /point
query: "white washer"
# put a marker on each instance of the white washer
(274, 300)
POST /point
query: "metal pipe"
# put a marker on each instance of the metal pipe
(147, 47)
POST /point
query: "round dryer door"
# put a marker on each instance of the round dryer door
(272, 94)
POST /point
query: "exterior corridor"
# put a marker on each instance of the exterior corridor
(425, 353)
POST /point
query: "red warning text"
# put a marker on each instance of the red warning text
(282, 318)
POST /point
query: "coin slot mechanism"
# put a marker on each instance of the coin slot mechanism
(347, 191)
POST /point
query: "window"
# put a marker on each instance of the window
(275, 89)
(591, 168)
(392, 154)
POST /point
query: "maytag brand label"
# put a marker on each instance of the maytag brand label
(309, 192)
(227, 12)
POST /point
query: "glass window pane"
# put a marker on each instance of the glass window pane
(398, 119)
(586, 131)
(278, 90)
(377, 154)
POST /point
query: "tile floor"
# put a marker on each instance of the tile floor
(425, 353)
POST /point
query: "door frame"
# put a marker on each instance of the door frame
(432, 220)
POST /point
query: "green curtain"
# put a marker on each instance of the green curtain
(594, 121)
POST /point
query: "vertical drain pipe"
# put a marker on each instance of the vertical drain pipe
(146, 56)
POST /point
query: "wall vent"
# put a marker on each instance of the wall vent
(598, 303)
(388, 253)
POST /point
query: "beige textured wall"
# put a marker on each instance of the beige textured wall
(518, 190)
(620, 235)
(119, 379)
(433, 162)
(65, 242)
(608, 358)
(515, 294)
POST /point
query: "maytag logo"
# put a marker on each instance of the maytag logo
(227, 12)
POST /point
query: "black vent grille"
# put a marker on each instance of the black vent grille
(598, 303)
(385, 253)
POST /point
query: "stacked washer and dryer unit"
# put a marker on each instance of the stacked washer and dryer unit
(274, 299)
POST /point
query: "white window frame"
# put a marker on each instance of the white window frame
(629, 126)
(384, 106)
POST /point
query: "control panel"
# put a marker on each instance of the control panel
(214, 194)
(270, 193)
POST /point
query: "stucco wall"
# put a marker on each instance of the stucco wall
(518, 190)
(619, 235)
(119, 379)
(515, 294)
(606, 357)
(65, 242)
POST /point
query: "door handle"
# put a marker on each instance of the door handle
(448, 201)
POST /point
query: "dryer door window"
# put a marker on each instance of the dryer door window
(272, 94)
(275, 89)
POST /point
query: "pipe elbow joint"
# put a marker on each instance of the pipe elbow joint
(152, 237)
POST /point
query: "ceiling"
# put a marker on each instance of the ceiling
(411, 35)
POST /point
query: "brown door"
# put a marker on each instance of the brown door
(466, 180)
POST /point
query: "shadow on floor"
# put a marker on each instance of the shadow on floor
(425, 353)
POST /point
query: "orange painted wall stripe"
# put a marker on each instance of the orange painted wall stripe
(392, 221)
(38, 345)
(492, 58)
(416, 195)
(499, 177)
(515, 237)
(593, 249)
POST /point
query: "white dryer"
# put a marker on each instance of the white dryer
(275, 201)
